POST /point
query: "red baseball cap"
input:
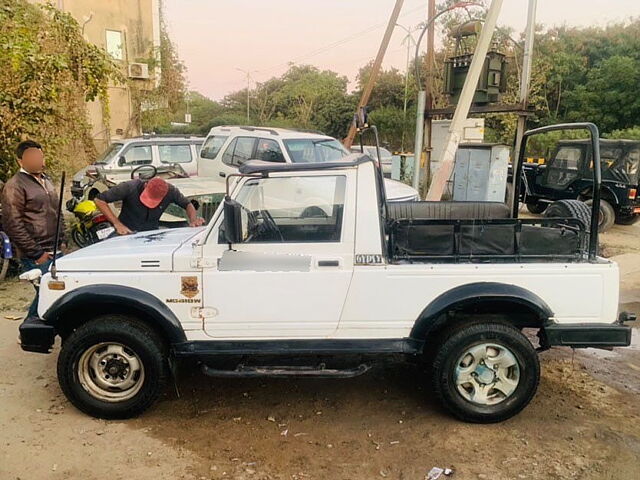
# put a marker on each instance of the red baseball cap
(154, 191)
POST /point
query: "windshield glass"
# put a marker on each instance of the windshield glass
(310, 150)
(620, 165)
(109, 154)
(212, 146)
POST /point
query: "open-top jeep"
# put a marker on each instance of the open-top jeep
(568, 174)
(306, 270)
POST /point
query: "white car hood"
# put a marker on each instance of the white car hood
(145, 251)
(399, 192)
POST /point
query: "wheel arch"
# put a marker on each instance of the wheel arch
(482, 298)
(71, 310)
(606, 193)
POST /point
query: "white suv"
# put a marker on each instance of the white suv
(228, 147)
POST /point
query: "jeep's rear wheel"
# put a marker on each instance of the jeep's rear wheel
(485, 372)
(112, 367)
(606, 215)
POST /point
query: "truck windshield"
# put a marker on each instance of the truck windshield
(109, 154)
(293, 209)
(319, 150)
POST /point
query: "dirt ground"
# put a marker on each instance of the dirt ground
(584, 422)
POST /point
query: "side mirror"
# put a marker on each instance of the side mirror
(122, 161)
(232, 221)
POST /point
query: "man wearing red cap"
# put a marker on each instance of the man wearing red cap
(143, 204)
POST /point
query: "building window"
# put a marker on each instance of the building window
(115, 44)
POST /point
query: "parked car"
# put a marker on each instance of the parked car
(302, 271)
(386, 157)
(568, 174)
(118, 161)
(227, 147)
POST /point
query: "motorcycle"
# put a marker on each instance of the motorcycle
(90, 226)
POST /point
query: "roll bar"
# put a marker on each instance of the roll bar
(597, 174)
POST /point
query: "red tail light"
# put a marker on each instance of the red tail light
(632, 193)
(99, 219)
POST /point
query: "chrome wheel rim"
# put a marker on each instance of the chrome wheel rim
(110, 372)
(487, 374)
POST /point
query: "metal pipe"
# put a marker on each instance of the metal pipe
(56, 242)
(525, 80)
(417, 149)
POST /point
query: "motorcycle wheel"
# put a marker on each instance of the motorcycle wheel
(79, 238)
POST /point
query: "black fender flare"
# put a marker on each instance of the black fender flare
(605, 194)
(125, 299)
(464, 295)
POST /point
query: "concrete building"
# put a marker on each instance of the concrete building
(129, 30)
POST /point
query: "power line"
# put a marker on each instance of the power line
(338, 43)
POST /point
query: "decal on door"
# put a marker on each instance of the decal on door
(189, 287)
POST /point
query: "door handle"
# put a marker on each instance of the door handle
(328, 263)
(222, 174)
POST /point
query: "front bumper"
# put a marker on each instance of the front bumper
(36, 335)
(590, 335)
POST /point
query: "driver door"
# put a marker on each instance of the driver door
(290, 276)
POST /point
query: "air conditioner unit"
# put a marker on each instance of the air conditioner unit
(138, 70)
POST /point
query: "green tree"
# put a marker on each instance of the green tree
(47, 73)
(609, 98)
(388, 90)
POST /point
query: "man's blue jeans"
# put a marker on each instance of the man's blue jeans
(28, 264)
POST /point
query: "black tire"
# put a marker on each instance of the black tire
(607, 215)
(570, 209)
(136, 338)
(537, 207)
(78, 238)
(628, 220)
(451, 352)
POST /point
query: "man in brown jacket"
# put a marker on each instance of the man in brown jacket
(30, 211)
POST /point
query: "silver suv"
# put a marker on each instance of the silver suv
(118, 161)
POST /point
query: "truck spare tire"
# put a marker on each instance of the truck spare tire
(570, 209)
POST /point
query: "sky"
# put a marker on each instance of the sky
(218, 38)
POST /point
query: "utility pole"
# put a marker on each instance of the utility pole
(428, 86)
(248, 73)
(441, 177)
(524, 83)
(375, 69)
(408, 40)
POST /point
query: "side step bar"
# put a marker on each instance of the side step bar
(320, 371)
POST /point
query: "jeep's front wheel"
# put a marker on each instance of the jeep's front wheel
(485, 372)
(112, 367)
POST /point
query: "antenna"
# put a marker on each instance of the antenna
(54, 272)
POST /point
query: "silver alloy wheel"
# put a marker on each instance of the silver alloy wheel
(110, 372)
(487, 374)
